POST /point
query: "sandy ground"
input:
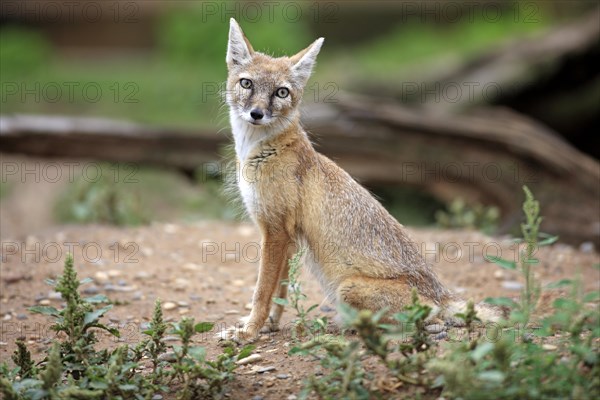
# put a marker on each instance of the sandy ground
(207, 270)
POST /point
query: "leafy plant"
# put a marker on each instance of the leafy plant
(515, 362)
(518, 364)
(461, 215)
(75, 369)
(532, 240)
(303, 324)
(103, 199)
(345, 372)
(201, 378)
(346, 375)
(78, 320)
(22, 359)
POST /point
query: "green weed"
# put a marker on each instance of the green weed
(555, 358)
(74, 368)
(303, 324)
(102, 199)
(459, 215)
(517, 364)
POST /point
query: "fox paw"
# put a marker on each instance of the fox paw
(270, 326)
(237, 335)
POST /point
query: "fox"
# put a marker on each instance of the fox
(300, 199)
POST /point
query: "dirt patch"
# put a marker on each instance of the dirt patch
(207, 270)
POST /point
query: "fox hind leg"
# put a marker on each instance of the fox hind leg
(375, 294)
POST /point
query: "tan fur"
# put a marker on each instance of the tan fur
(299, 198)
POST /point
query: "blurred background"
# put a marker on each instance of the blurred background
(112, 110)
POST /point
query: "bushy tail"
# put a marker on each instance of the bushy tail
(485, 312)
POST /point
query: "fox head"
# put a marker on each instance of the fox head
(263, 93)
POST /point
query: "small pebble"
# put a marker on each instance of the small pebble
(549, 347)
(441, 336)
(170, 228)
(110, 288)
(248, 306)
(512, 285)
(91, 290)
(54, 296)
(435, 328)
(101, 277)
(190, 267)
(183, 304)
(22, 317)
(250, 359)
(258, 398)
(168, 357)
(586, 247)
(113, 273)
(142, 275)
(157, 397)
(124, 289)
(195, 297)
(326, 308)
(181, 284)
(231, 312)
(44, 302)
(137, 296)
(282, 376)
(498, 274)
(169, 305)
(265, 369)
(292, 397)
(147, 252)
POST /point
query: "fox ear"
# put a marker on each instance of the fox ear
(304, 61)
(239, 49)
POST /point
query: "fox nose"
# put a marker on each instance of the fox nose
(257, 114)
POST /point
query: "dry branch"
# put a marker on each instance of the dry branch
(484, 157)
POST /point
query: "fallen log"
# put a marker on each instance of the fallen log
(109, 140)
(514, 67)
(483, 157)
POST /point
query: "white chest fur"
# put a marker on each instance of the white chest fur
(247, 138)
(247, 185)
(247, 141)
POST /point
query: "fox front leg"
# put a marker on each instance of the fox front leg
(272, 324)
(273, 267)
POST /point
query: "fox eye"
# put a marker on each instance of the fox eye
(282, 92)
(246, 83)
